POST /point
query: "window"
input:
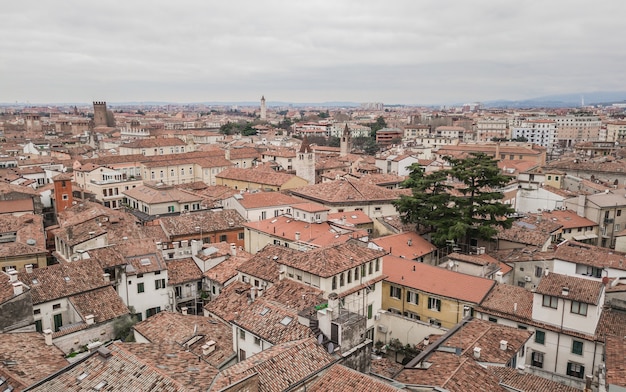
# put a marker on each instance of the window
(395, 292)
(350, 276)
(579, 308)
(537, 359)
(412, 297)
(619, 213)
(575, 370)
(434, 304)
(242, 355)
(577, 347)
(538, 272)
(334, 283)
(36, 311)
(540, 337)
(493, 320)
(371, 265)
(550, 301)
(56, 306)
(341, 279)
(370, 311)
(242, 334)
(356, 273)
(159, 284)
(223, 238)
(257, 341)
(377, 265)
(38, 326)
(140, 287)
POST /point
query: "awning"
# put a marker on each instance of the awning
(585, 237)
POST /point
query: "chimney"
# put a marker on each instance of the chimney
(29, 268)
(499, 275)
(426, 341)
(520, 369)
(546, 272)
(107, 277)
(565, 291)
(12, 275)
(252, 293)
(409, 242)
(476, 352)
(18, 288)
(208, 348)
(184, 310)
(503, 345)
(89, 319)
(515, 307)
(47, 334)
(333, 301)
(281, 272)
(233, 249)
(297, 236)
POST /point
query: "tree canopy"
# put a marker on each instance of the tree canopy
(461, 203)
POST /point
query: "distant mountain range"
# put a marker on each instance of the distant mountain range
(563, 100)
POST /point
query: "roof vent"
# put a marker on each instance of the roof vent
(565, 291)
(503, 345)
(104, 353)
(31, 242)
(476, 352)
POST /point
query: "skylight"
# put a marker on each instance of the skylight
(82, 376)
(145, 261)
(286, 320)
(264, 311)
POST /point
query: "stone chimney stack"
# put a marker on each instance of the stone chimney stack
(47, 334)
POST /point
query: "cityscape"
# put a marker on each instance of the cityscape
(347, 196)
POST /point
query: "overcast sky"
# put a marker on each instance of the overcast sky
(411, 52)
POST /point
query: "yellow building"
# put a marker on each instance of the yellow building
(22, 242)
(430, 294)
(265, 179)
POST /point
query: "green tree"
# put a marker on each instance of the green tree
(248, 130)
(228, 128)
(375, 126)
(334, 141)
(474, 211)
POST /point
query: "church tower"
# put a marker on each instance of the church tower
(345, 145)
(263, 109)
(305, 162)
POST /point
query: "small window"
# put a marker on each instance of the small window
(334, 283)
(412, 297)
(242, 334)
(434, 304)
(140, 287)
(257, 341)
(56, 306)
(550, 301)
(240, 236)
(537, 359)
(575, 370)
(619, 213)
(538, 272)
(36, 311)
(540, 337)
(579, 308)
(395, 292)
(493, 320)
(577, 347)
(223, 238)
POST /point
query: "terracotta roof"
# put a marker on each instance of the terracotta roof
(499, 301)
(453, 373)
(352, 218)
(436, 280)
(104, 304)
(612, 322)
(25, 358)
(256, 176)
(346, 190)
(63, 280)
(615, 361)
(341, 378)
(331, 260)
(134, 367)
(176, 328)
(309, 207)
(210, 222)
(529, 231)
(278, 367)
(386, 367)
(293, 294)
(154, 195)
(271, 321)
(227, 269)
(265, 263)
(145, 263)
(231, 300)
(409, 245)
(160, 142)
(182, 271)
(581, 290)
(527, 382)
(579, 253)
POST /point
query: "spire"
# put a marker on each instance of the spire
(305, 147)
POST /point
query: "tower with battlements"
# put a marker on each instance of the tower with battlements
(100, 114)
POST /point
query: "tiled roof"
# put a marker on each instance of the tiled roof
(331, 260)
(487, 336)
(528, 382)
(267, 320)
(616, 361)
(506, 299)
(160, 142)
(453, 373)
(341, 378)
(256, 176)
(436, 280)
(346, 190)
(567, 218)
(152, 195)
(385, 367)
(209, 221)
(309, 207)
(266, 199)
(353, 218)
(293, 294)
(27, 228)
(278, 367)
(25, 358)
(529, 231)
(316, 234)
(482, 259)
(144, 263)
(265, 263)
(138, 367)
(182, 271)
(612, 322)
(227, 269)
(409, 245)
(104, 304)
(231, 300)
(176, 328)
(581, 290)
(579, 253)
(63, 280)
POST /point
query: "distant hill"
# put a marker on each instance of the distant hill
(563, 100)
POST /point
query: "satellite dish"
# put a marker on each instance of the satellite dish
(320, 339)
(330, 348)
(31, 241)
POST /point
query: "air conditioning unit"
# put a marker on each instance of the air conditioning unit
(382, 328)
(377, 317)
(527, 278)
